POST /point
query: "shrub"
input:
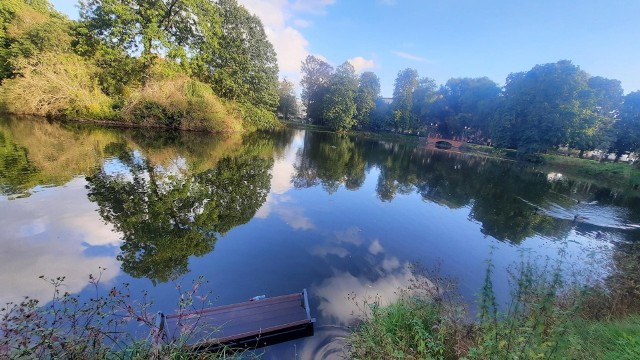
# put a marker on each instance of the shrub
(257, 118)
(546, 317)
(405, 329)
(55, 85)
(182, 103)
(68, 328)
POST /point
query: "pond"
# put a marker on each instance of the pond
(273, 213)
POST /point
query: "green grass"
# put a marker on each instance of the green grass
(617, 175)
(547, 318)
(406, 329)
(615, 340)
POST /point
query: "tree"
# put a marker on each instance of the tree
(404, 86)
(627, 129)
(600, 107)
(540, 107)
(178, 29)
(368, 92)
(316, 74)
(27, 29)
(471, 102)
(339, 102)
(244, 66)
(287, 106)
(423, 98)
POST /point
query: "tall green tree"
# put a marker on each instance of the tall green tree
(165, 219)
(600, 108)
(368, 92)
(470, 102)
(339, 102)
(316, 74)
(288, 105)
(178, 29)
(244, 67)
(405, 84)
(27, 29)
(627, 128)
(424, 96)
(540, 107)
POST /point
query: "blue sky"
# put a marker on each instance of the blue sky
(452, 38)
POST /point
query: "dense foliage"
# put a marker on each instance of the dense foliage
(117, 60)
(550, 106)
(287, 102)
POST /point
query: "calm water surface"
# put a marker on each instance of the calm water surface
(274, 213)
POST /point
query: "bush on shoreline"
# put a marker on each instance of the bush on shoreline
(179, 102)
(56, 85)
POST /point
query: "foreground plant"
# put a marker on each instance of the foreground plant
(98, 328)
(547, 316)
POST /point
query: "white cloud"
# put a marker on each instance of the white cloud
(301, 23)
(70, 241)
(325, 250)
(292, 49)
(375, 248)
(334, 303)
(408, 56)
(279, 20)
(312, 6)
(361, 64)
(278, 202)
(352, 235)
(390, 263)
(293, 216)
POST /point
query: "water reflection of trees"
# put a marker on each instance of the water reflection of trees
(499, 194)
(35, 152)
(331, 160)
(166, 215)
(15, 167)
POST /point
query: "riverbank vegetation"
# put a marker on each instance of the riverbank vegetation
(548, 316)
(106, 326)
(550, 106)
(190, 65)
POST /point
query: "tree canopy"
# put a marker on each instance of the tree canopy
(316, 74)
(178, 29)
(165, 219)
(406, 83)
(287, 105)
(339, 102)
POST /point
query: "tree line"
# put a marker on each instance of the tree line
(189, 64)
(552, 105)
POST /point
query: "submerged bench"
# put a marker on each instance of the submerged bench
(253, 323)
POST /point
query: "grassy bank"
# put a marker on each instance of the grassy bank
(547, 317)
(613, 174)
(617, 175)
(63, 87)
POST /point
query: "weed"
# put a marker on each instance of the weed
(68, 327)
(548, 316)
